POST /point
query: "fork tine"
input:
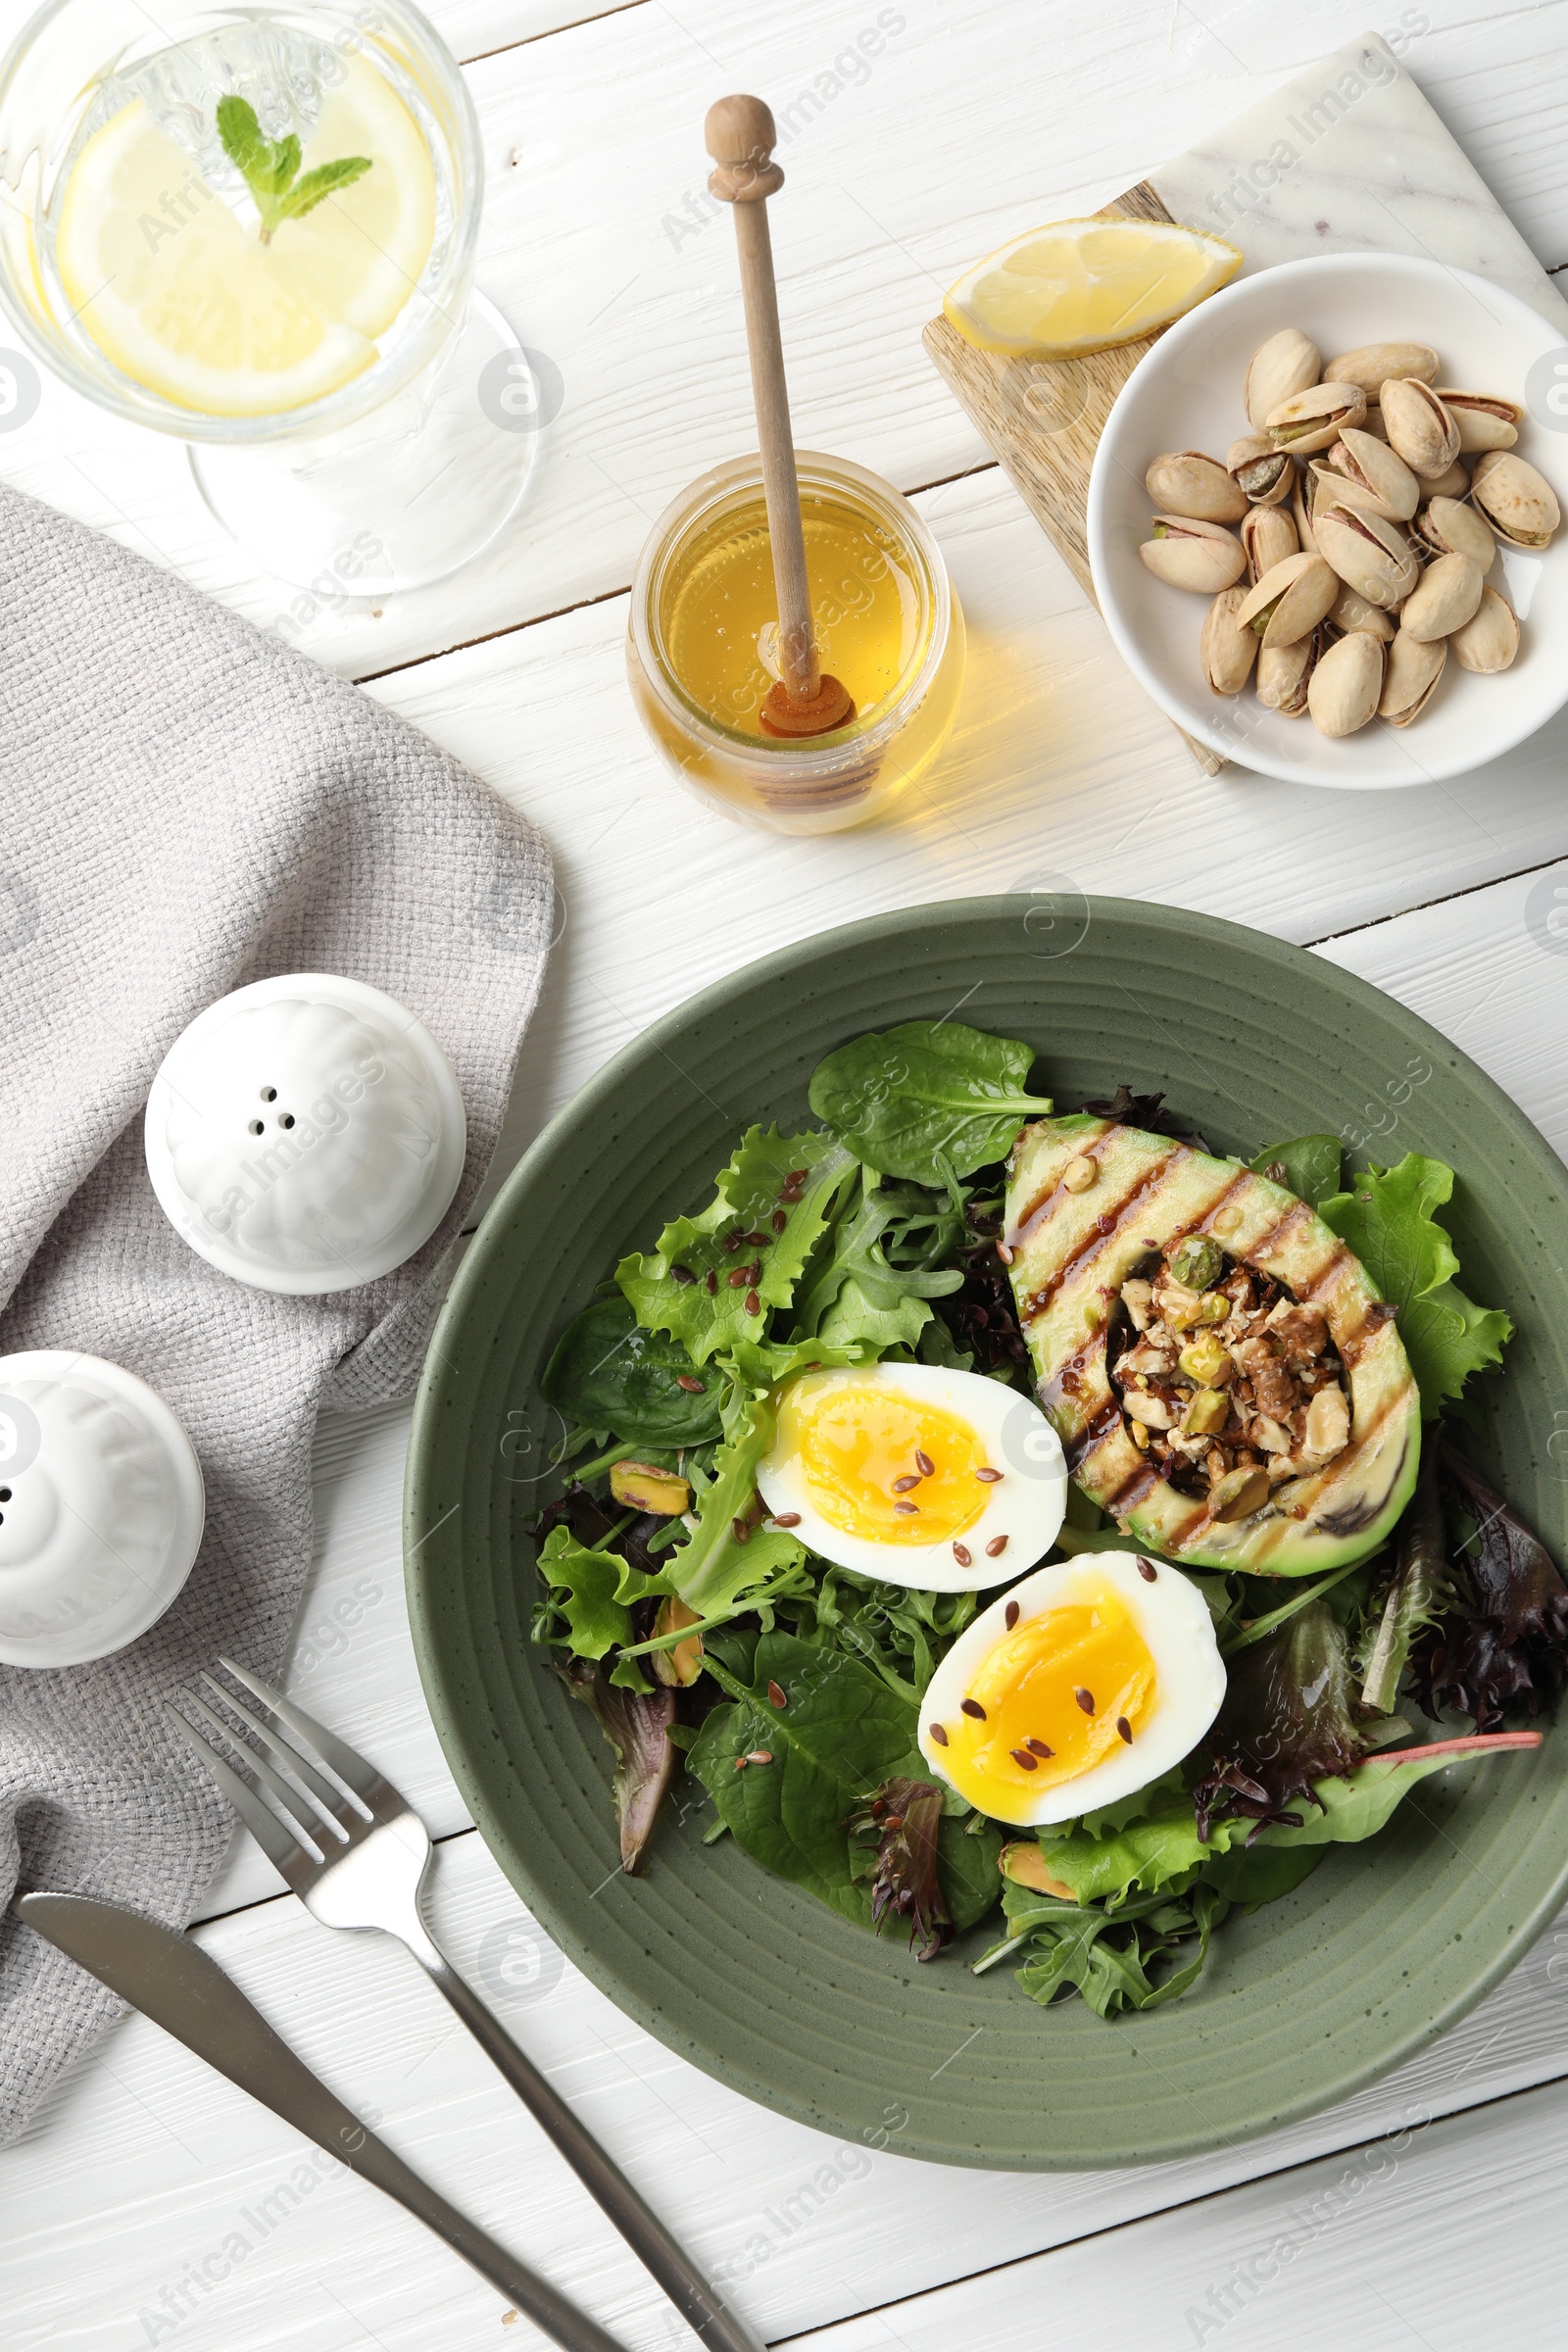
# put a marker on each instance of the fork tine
(283, 1851)
(327, 1793)
(297, 1814)
(347, 1762)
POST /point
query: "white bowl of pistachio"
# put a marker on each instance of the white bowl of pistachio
(1324, 521)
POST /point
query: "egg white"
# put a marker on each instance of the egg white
(1172, 1616)
(1025, 1504)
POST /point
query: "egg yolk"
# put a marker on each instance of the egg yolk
(1033, 1728)
(861, 1447)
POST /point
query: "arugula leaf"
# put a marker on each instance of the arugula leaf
(1307, 1166)
(707, 1248)
(841, 1734)
(610, 1373)
(714, 1567)
(1105, 1955)
(859, 1295)
(599, 1587)
(270, 168)
(926, 1099)
(1387, 1220)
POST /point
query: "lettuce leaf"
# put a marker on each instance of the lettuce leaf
(1387, 1220)
(594, 1591)
(752, 1191)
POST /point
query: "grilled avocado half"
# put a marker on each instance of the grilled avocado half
(1071, 1251)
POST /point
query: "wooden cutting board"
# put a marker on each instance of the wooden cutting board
(1348, 156)
(1044, 418)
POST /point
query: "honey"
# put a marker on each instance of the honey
(888, 627)
(865, 602)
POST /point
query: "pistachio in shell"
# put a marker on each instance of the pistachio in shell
(1287, 363)
(1184, 481)
(1456, 483)
(1371, 555)
(1444, 600)
(1290, 600)
(1449, 528)
(1268, 535)
(1349, 611)
(1420, 428)
(1489, 638)
(1415, 666)
(1185, 552)
(1227, 652)
(1284, 675)
(1519, 503)
(1302, 496)
(1485, 419)
(1368, 474)
(1345, 684)
(1310, 421)
(1371, 364)
(1262, 473)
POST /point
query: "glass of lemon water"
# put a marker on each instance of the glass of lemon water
(254, 228)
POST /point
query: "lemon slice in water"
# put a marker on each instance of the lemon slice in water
(180, 293)
(1077, 286)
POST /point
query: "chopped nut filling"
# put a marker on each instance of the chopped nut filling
(1220, 1371)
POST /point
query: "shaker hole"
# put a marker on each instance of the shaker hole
(268, 1094)
(287, 1119)
(257, 1127)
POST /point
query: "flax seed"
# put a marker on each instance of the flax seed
(972, 1706)
(776, 1695)
(1125, 1729)
(939, 1735)
(1011, 1617)
(682, 1274)
(760, 1755)
(684, 1380)
(754, 1304)
(780, 1220)
(1021, 1755)
(901, 1486)
(907, 1511)
(743, 1535)
(996, 1548)
(1085, 1699)
(1038, 1747)
(924, 1465)
(740, 1279)
(1005, 1254)
(710, 1283)
(1148, 1571)
(989, 1477)
(963, 1555)
(786, 1518)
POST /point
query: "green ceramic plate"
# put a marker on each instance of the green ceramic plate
(1381, 1949)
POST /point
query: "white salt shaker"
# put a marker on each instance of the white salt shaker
(100, 1507)
(306, 1134)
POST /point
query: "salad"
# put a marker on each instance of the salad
(992, 1512)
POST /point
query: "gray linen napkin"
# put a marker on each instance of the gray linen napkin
(186, 806)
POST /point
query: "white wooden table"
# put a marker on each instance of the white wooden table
(151, 2203)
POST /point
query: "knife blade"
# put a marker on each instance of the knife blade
(182, 1988)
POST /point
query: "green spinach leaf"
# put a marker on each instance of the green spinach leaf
(840, 1732)
(1309, 1166)
(611, 1373)
(927, 1099)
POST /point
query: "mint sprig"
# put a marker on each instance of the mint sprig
(271, 168)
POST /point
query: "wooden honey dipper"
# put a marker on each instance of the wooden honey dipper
(740, 137)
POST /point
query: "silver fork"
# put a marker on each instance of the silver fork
(356, 1856)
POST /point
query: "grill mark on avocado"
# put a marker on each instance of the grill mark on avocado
(1111, 1222)
(1035, 1213)
(1077, 1449)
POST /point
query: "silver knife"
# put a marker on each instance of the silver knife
(173, 1982)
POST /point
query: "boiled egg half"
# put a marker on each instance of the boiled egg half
(1079, 1687)
(916, 1475)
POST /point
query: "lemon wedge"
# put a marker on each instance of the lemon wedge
(180, 293)
(1076, 286)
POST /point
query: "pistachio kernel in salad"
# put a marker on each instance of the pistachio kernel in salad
(1229, 1385)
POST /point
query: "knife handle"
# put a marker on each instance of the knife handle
(700, 2305)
